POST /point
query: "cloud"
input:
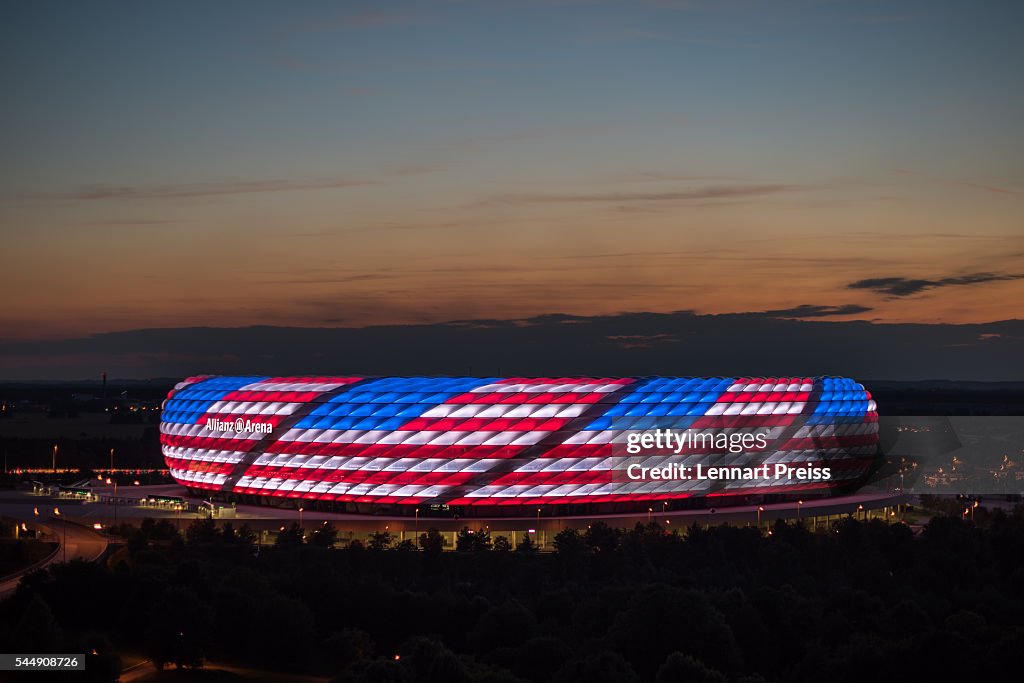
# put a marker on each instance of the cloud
(902, 286)
(102, 192)
(680, 343)
(474, 141)
(817, 311)
(987, 188)
(279, 47)
(712, 192)
(956, 182)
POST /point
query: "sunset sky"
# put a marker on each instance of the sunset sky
(344, 164)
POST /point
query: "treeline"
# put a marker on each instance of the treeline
(867, 601)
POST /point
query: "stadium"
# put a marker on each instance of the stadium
(485, 446)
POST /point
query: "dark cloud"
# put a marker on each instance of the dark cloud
(712, 192)
(680, 343)
(101, 192)
(817, 311)
(902, 286)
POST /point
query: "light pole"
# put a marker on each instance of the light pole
(799, 505)
(417, 521)
(300, 517)
(760, 509)
(650, 512)
(115, 493)
(859, 509)
(111, 460)
(538, 523)
(64, 521)
(53, 462)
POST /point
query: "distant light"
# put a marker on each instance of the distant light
(97, 526)
(532, 531)
(397, 657)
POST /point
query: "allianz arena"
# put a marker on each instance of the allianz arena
(486, 445)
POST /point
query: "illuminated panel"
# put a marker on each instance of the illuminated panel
(501, 441)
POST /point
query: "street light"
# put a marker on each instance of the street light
(111, 460)
(861, 507)
(115, 493)
(300, 517)
(760, 509)
(64, 521)
(799, 505)
(53, 463)
(650, 511)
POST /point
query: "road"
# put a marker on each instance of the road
(144, 670)
(81, 544)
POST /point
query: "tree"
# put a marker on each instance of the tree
(179, 630)
(502, 544)
(202, 532)
(324, 536)
(432, 542)
(289, 537)
(606, 667)
(526, 545)
(464, 540)
(568, 543)
(102, 662)
(228, 534)
(246, 536)
(680, 668)
(163, 530)
(37, 630)
(601, 538)
(349, 647)
(473, 541)
(380, 540)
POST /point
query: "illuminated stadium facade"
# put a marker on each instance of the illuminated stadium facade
(504, 446)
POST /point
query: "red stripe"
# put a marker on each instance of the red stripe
(209, 442)
(310, 380)
(199, 465)
(764, 397)
(484, 424)
(528, 398)
(272, 396)
(393, 450)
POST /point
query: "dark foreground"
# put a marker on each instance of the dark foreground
(868, 601)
